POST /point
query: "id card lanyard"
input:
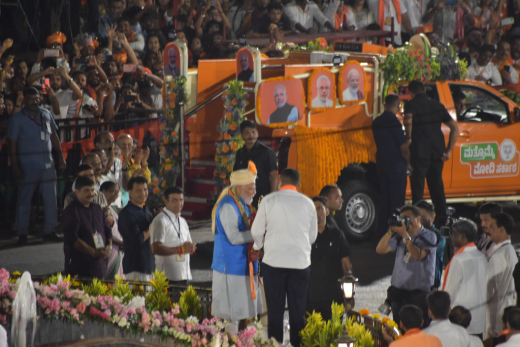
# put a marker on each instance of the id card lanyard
(40, 124)
(177, 228)
(98, 240)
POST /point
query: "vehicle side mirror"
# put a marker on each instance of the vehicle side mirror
(516, 114)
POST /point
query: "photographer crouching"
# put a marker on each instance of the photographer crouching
(414, 267)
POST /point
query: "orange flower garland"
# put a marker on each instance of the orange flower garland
(259, 107)
(341, 83)
(312, 81)
(323, 153)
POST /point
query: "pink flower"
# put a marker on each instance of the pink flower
(188, 328)
(81, 307)
(4, 274)
(131, 311)
(12, 294)
(204, 341)
(156, 323)
(108, 313)
(72, 311)
(65, 304)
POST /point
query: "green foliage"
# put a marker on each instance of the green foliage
(158, 298)
(358, 331)
(56, 278)
(318, 333)
(511, 94)
(408, 64)
(97, 288)
(320, 44)
(189, 304)
(121, 290)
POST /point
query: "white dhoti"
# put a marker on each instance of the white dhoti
(232, 297)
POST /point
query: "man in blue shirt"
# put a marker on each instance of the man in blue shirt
(134, 222)
(392, 160)
(32, 134)
(414, 267)
(428, 216)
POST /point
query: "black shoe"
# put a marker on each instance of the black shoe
(52, 237)
(22, 240)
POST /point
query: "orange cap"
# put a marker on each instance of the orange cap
(57, 37)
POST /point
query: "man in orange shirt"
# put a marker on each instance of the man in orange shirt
(411, 318)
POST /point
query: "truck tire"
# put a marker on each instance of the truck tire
(357, 217)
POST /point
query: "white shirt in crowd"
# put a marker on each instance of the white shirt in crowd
(286, 223)
(360, 20)
(514, 341)
(489, 72)
(172, 231)
(475, 341)
(416, 9)
(328, 10)
(500, 286)
(513, 73)
(451, 335)
(373, 5)
(305, 17)
(467, 273)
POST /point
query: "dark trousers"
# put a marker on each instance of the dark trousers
(431, 170)
(392, 193)
(280, 283)
(410, 297)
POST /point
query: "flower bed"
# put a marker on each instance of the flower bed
(120, 312)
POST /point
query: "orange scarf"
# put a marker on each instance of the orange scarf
(506, 62)
(471, 244)
(397, 6)
(289, 187)
(339, 20)
(131, 37)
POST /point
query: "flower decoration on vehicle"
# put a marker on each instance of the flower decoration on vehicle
(174, 93)
(320, 159)
(235, 102)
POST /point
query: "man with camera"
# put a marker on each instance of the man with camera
(414, 267)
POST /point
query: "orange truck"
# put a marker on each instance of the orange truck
(337, 147)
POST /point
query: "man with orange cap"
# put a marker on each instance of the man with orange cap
(54, 41)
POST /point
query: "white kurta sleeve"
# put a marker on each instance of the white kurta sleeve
(496, 78)
(313, 231)
(229, 220)
(453, 279)
(259, 225)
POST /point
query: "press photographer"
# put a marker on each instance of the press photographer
(414, 267)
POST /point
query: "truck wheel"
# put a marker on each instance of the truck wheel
(358, 213)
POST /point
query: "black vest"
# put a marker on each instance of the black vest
(281, 114)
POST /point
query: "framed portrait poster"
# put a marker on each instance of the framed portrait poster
(321, 90)
(279, 101)
(352, 86)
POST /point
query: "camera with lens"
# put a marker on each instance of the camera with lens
(397, 220)
(446, 230)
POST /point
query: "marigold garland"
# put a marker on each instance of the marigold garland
(173, 93)
(341, 83)
(310, 84)
(235, 102)
(259, 107)
(323, 153)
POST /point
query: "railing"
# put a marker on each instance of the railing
(174, 291)
(375, 326)
(330, 37)
(70, 128)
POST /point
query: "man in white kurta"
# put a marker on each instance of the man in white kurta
(236, 294)
(171, 239)
(465, 275)
(500, 286)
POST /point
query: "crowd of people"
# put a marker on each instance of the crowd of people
(117, 65)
